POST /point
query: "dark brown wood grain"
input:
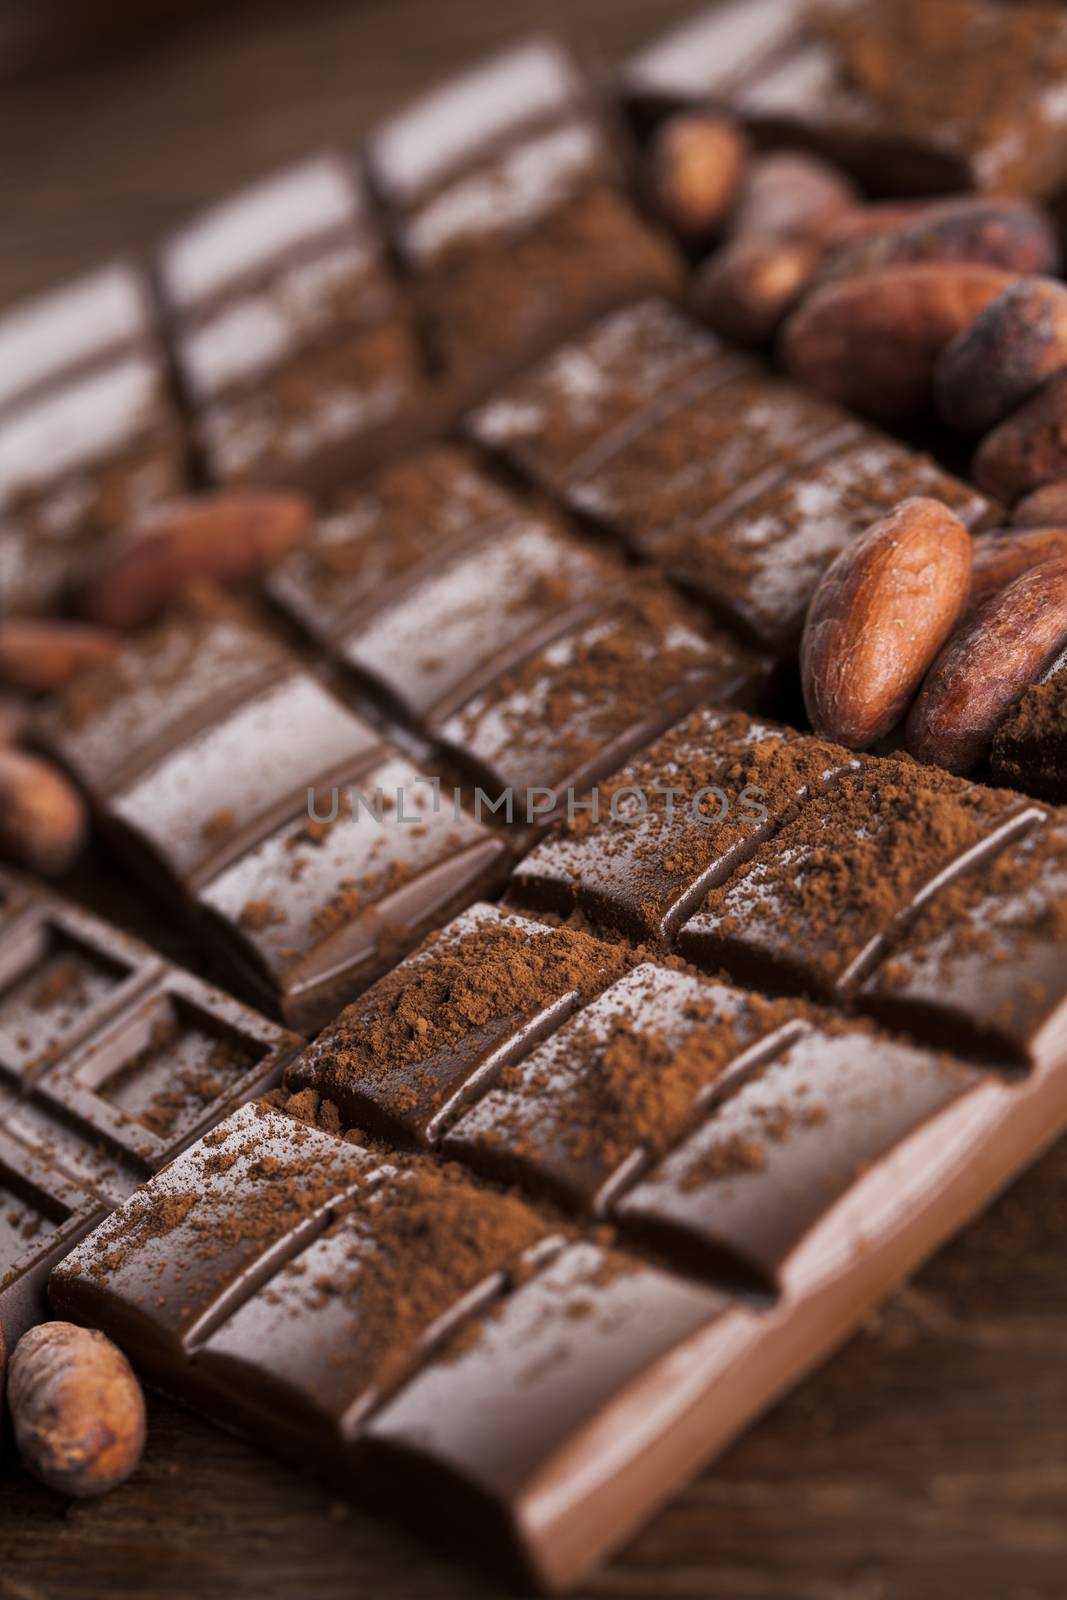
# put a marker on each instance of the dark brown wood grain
(928, 1459)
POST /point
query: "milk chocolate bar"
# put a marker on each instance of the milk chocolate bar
(741, 486)
(482, 1365)
(294, 345)
(506, 186)
(881, 87)
(111, 1062)
(88, 437)
(284, 827)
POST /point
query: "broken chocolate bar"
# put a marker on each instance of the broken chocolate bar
(365, 1313)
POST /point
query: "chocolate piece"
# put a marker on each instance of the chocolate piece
(321, 906)
(469, 581)
(415, 511)
(206, 655)
(509, 209)
(712, 54)
(541, 1430)
(189, 765)
(1030, 746)
(759, 566)
(88, 439)
(416, 1253)
(293, 343)
(742, 487)
(586, 1112)
(676, 821)
(70, 329)
(208, 1230)
(573, 711)
(224, 788)
(433, 1034)
(985, 963)
(711, 449)
(255, 805)
(574, 406)
(270, 1225)
(163, 1071)
(882, 88)
(815, 905)
(755, 1190)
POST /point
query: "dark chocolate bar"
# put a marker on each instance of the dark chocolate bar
(543, 733)
(506, 187)
(88, 437)
(882, 86)
(741, 486)
(294, 345)
(464, 1356)
(675, 821)
(819, 902)
(588, 1110)
(282, 825)
(436, 581)
(111, 1062)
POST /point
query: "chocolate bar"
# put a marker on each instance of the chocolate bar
(88, 437)
(435, 581)
(741, 486)
(111, 1061)
(815, 905)
(676, 821)
(506, 188)
(882, 88)
(539, 736)
(524, 1384)
(294, 345)
(617, 1085)
(283, 826)
(984, 961)
(1028, 748)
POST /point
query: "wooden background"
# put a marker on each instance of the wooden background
(928, 1460)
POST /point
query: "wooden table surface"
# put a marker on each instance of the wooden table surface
(928, 1459)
